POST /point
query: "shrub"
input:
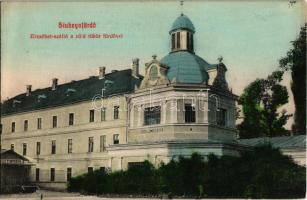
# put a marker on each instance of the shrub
(260, 173)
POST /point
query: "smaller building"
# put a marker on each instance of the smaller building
(294, 146)
(15, 171)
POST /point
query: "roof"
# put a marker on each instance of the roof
(9, 151)
(117, 82)
(182, 22)
(186, 67)
(3, 151)
(298, 141)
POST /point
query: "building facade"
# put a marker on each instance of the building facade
(181, 105)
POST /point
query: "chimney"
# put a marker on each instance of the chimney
(135, 67)
(102, 72)
(54, 83)
(29, 87)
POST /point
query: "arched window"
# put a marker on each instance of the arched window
(153, 73)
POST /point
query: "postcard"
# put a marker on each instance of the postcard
(153, 99)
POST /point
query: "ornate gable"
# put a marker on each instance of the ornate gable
(155, 74)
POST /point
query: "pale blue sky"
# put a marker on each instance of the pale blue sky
(251, 36)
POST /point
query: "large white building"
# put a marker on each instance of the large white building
(181, 105)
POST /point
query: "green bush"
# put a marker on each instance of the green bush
(260, 173)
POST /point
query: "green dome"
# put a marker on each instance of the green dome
(182, 22)
(186, 67)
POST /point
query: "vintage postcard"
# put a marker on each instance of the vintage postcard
(153, 99)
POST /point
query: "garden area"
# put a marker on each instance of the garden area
(263, 172)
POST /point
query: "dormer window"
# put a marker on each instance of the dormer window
(15, 102)
(108, 83)
(40, 97)
(70, 91)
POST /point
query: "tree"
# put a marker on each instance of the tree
(295, 61)
(260, 102)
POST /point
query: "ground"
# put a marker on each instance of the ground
(52, 195)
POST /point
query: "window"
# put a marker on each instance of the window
(173, 41)
(189, 113)
(102, 169)
(221, 117)
(38, 148)
(39, 123)
(90, 169)
(103, 143)
(71, 119)
(188, 41)
(103, 114)
(192, 43)
(90, 144)
(115, 139)
(116, 112)
(53, 147)
(37, 174)
(92, 115)
(152, 115)
(25, 125)
(178, 40)
(69, 173)
(153, 74)
(24, 149)
(52, 174)
(54, 121)
(12, 147)
(13, 127)
(69, 146)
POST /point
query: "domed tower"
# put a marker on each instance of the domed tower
(182, 100)
(184, 65)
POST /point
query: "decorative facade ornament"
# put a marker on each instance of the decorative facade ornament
(155, 74)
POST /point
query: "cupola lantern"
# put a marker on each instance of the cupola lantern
(182, 34)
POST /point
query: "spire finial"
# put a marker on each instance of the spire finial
(220, 59)
(181, 6)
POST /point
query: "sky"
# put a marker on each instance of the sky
(250, 36)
